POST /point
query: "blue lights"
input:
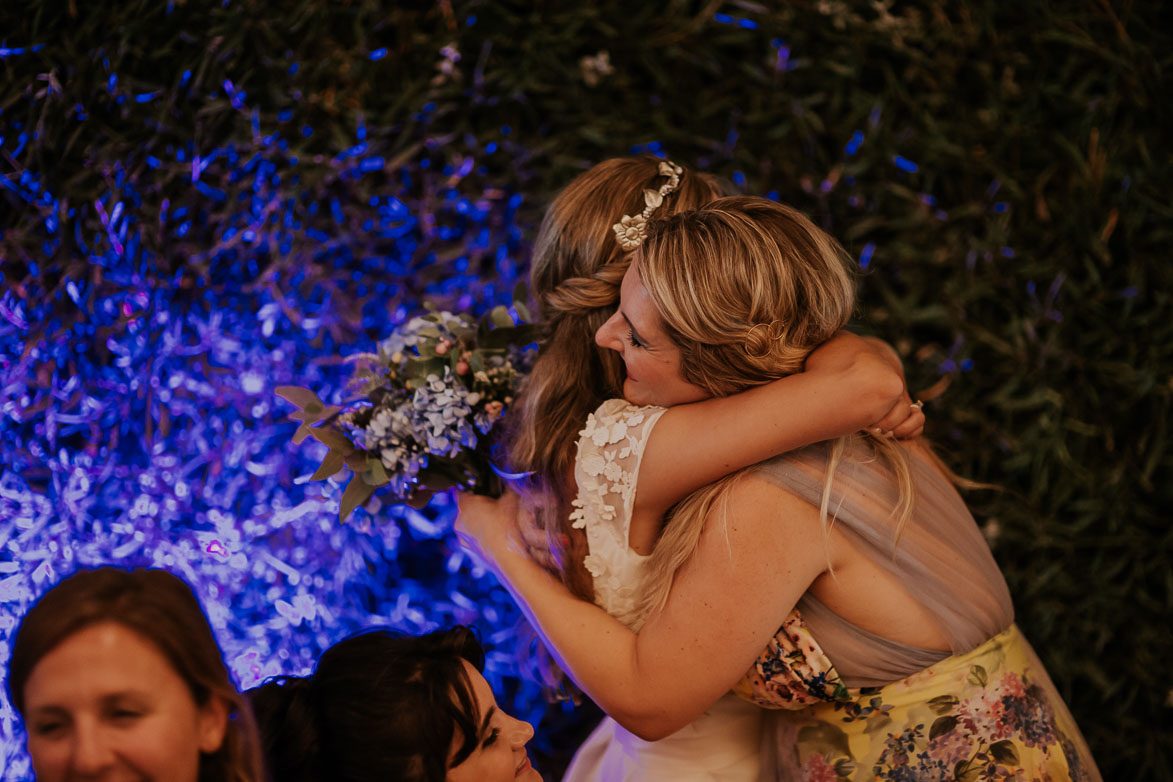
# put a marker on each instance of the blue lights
(854, 143)
(865, 257)
(904, 164)
(139, 422)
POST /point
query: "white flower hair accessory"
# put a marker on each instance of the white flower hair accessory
(631, 230)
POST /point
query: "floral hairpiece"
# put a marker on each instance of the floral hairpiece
(631, 230)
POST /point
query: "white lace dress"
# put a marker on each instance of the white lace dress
(722, 745)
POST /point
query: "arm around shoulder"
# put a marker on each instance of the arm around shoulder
(848, 385)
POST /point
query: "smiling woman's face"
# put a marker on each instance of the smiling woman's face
(652, 360)
(500, 754)
(106, 704)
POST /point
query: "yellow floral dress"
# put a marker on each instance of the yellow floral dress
(984, 710)
(989, 714)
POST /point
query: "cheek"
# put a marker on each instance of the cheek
(49, 758)
(166, 747)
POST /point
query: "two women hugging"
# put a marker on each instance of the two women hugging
(754, 574)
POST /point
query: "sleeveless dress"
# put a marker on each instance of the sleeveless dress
(724, 743)
(845, 703)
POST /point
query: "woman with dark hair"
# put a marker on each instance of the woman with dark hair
(117, 674)
(384, 706)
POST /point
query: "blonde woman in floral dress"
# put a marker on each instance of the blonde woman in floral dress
(845, 585)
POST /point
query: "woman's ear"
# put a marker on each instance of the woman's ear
(213, 724)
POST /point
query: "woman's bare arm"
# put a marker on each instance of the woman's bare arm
(756, 557)
(850, 384)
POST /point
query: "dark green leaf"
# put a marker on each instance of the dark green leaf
(941, 726)
(1004, 752)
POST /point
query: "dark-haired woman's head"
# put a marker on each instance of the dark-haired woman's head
(384, 706)
(117, 675)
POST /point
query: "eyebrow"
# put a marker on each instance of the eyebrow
(634, 330)
(106, 700)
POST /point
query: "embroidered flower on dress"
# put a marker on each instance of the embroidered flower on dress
(594, 565)
(578, 515)
(612, 471)
(593, 463)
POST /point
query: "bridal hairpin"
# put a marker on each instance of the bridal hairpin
(631, 230)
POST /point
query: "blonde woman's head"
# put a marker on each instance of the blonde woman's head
(746, 288)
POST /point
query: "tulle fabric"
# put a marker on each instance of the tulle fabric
(984, 710)
(940, 558)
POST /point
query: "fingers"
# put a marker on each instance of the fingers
(905, 421)
(487, 527)
(912, 428)
(896, 415)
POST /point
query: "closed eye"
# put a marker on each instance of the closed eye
(491, 738)
(48, 728)
(632, 335)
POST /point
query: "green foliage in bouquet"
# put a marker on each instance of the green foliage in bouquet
(427, 402)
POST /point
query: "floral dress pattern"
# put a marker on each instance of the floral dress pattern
(990, 714)
(610, 449)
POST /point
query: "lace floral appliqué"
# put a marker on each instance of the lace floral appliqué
(610, 448)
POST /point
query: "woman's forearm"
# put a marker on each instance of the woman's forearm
(598, 652)
(722, 435)
(751, 565)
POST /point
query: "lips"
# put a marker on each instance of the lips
(522, 767)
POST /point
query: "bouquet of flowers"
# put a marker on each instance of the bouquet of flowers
(426, 404)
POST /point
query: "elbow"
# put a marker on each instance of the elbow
(656, 732)
(650, 726)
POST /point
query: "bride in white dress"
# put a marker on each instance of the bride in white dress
(582, 252)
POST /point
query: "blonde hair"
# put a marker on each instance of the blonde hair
(747, 288)
(575, 273)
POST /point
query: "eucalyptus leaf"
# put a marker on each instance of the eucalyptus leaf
(357, 493)
(333, 439)
(375, 474)
(500, 317)
(302, 397)
(331, 464)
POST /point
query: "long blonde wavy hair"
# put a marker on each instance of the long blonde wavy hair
(747, 288)
(575, 273)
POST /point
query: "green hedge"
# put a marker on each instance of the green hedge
(1002, 171)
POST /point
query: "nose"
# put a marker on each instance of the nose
(91, 752)
(609, 334)
(520, 732)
